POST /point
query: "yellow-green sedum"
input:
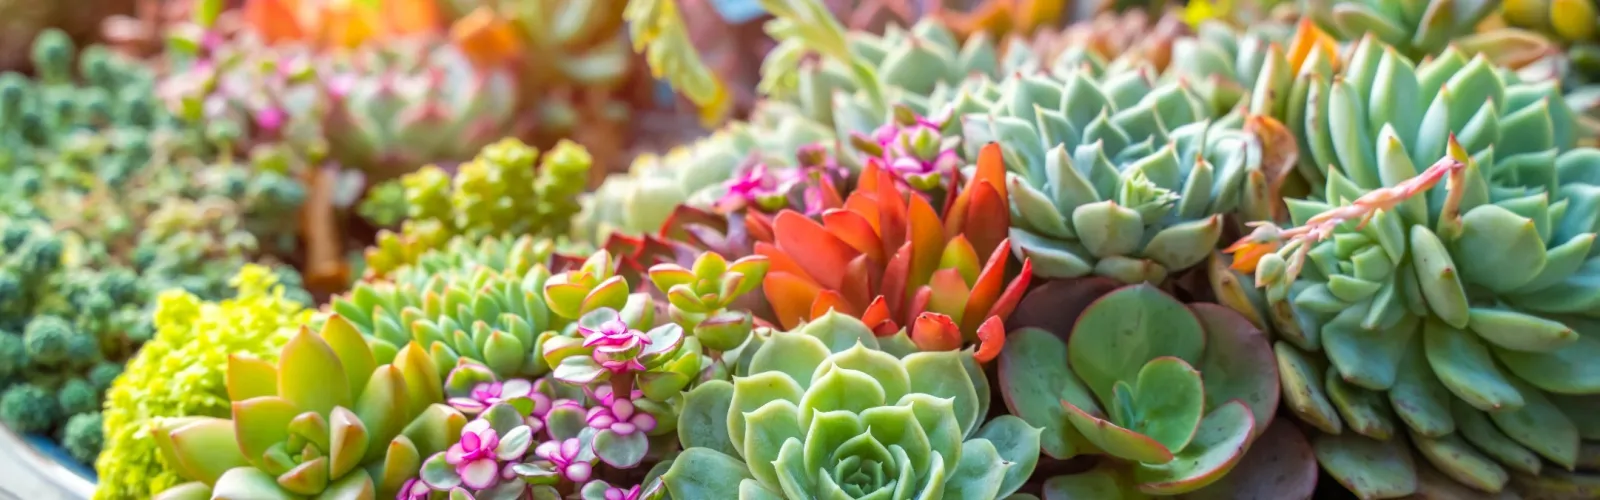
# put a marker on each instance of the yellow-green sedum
(181, 372)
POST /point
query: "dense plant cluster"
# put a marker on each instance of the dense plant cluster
(1239, 249)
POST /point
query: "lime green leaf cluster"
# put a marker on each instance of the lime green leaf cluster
(499, 193)
(181, 373)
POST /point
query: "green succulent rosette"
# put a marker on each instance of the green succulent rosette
(1456, 316)
(480, 301)
(1419, 29)
(1117, 176)
(823, 413)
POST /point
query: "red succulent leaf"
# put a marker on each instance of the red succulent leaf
(855, 231)
(986, 290)
(821, 254)
(780, 262)
(948, 294)
(991, 339)
(758, 226)
(992, 215)
(829, 300)
(1008, 300)
(894, 281)
(866, 206)
(892, 218)
(830, 194)
(919, 303)
(860, 280)
(965, 207)
(791, 297)
(927, 240)
(877, 317)
(935, 332)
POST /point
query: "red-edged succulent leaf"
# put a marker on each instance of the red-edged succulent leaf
(861, 281)
(1238, 363)
(927, 242)
(855, 231)
(1114, 439)
(1278, 465)
(877, 318)
(991, 339)
(1007, 303)
(1056, 305)
(983, 201)
(935, 332)
(986, 288)
(1218, 445)
(829, 300)
(780, 262)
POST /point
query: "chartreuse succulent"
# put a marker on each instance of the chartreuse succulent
(480, 302)
(508, 191)
(1446, 306)
(181, 372)
(1116, 176)
(823, 413)
(327, 420)
(1171, 397)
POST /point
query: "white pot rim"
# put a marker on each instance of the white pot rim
(40, 476)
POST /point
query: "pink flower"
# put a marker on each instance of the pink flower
(565, 456)
(614, 493)
(487, 394)
(618, 414)
(766, 188)
(414, 489)
(271, 118)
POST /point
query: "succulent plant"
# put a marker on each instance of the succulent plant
(1425, 28)
(1476, 351)
(1175, 394)
(499, 193)
(330, 24)
(181, 372)
(1570, 24)
(823, 413)
(478, 302)
(325, 420)
(913, 269)
(1123, 179)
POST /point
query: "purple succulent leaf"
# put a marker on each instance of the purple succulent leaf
(414, 489)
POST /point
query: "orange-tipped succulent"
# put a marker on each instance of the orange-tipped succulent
(340, 23)
(890, 259)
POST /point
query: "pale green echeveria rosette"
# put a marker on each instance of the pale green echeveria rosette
(1337, 118)
(825, 414)
(1461, 319)
(477, 301)
(1117, 176)
(1221, 63)
(1170, 396)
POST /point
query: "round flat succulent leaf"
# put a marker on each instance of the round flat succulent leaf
(1279, 464)
(1034, 378)
(1464, 366)
(980, 473)
(1055, 305)
(1102, 482)
(1365, 412)
(1238, 363)
(1115, 440)
(1568, 370)
(1456, 458)
(1516, 331)
(791, 353)
(705, 473)
(1168, 401)
(755, 391)
(1418, 398)
(1540, 426)
(703, 421)
(942, 374)
(621, 450)
(1123, 330)
(1303, 389)
(1367, 467)
(1017, 443)
(565, 422)
(1218, 445)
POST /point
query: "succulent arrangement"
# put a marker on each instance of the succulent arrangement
(1238, 250)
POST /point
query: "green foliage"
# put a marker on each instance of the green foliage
(500, 193)
(28, 408)
(181, 373)
(83, 436)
